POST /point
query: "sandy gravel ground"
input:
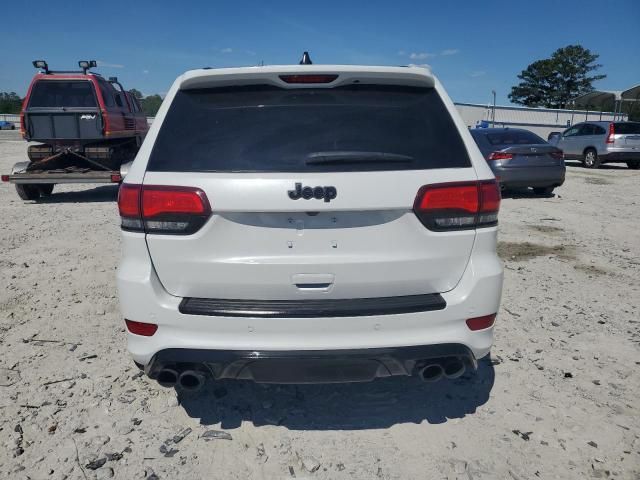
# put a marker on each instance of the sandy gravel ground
(557, 400)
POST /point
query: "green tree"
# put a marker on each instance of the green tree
(553, 81)
(151, 104)
(10, 102)
(136, 93)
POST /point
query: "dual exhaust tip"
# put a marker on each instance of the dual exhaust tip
(435, 370)
(189, 380)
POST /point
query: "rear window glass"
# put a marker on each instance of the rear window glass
(268, 129)
(60, 93)
(513, 138)
(627, 128)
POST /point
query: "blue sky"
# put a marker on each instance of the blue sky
(473, 47)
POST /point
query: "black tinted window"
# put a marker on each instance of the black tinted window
(627, 128)
(267, 129)
(589, 129)
(513, 138)
(62, 93)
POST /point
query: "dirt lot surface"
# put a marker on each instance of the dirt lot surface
(557, 400)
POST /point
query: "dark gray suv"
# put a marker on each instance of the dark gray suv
(521, 159)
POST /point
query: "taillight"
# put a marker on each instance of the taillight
(308, 78)
(612, 132)
(162, 209)
(23, 127)
(481, 323)
(140, 328)
(558, 155)
(458, 206)
(500, 156)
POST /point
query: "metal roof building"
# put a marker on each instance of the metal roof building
(541, 121)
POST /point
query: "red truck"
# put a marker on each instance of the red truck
(88, 128)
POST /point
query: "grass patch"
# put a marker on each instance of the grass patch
(523, 251)
(546, 229)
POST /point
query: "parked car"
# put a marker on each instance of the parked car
(4, 125)
(520, 158)
(595, 143)
(322, 224)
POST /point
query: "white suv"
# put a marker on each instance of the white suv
(307, 223)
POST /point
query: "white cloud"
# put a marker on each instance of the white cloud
(145, 71)
(109, 65)
(250, 52)
(422, 65)
(226, 50)
(449, 51)
(421, 55)
(478, 73)
(402, 53)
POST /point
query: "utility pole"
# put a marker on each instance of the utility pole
(493, 112)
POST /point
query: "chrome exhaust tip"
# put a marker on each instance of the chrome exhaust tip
(191, 380)
(167, 377)
(432, 373)
(454, 368)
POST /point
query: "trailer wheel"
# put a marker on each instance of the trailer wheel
(28, 192)
(46, 189)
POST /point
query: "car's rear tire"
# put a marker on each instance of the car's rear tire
(543, 191)
(590, 158)
(46, 189)
(633, 165)
(28, 192)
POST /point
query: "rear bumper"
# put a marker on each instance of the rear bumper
(144, 299)
(314, 366)
(530, 177)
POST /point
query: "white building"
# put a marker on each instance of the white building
(541, 121)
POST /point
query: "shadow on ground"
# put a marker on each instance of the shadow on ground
(517, 193)
(103, 193)
(355, 406)
(606, 166)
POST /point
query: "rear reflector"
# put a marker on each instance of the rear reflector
(139, 328)
(500, 156)
(480, 323)
(308, 78)
(5, 178)
(116, 178)
(458, 206)
(557, 155)
(162, 209)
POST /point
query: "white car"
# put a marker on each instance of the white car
(308, 223)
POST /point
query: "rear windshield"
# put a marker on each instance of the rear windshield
(513, 138)
(268, 129)
(627, 128)
(62, 93)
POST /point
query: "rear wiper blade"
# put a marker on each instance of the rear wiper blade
(324, 158)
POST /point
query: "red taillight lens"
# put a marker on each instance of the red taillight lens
(558, 155)
(163, 209)
(480, 323)
(308, 78)
(129, 200)
(500, 156)
(612, 132)
(5, 178)
(458, 206)
(158, 200)
(140, 328)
